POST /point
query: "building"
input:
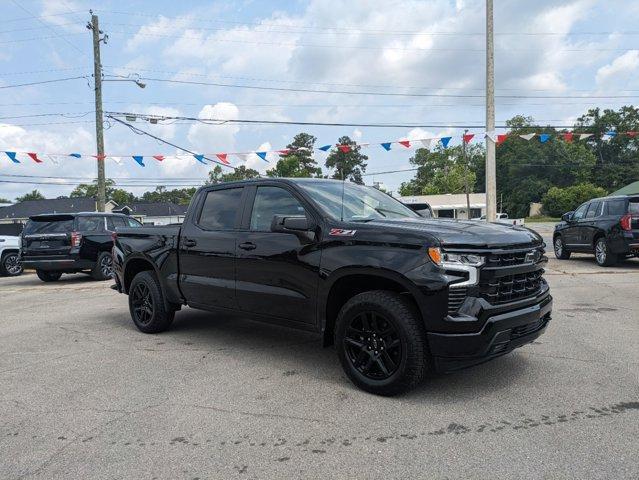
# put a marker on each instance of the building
(452, 205)
(154, 213)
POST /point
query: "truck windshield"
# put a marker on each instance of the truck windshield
(360, 203)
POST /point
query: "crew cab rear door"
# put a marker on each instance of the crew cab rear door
(207, 248)
(277, 273)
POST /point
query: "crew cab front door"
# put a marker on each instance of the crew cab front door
(572, 232)
(207, 249)
(277, 273)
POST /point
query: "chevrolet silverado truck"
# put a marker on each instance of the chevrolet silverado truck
(397, 294)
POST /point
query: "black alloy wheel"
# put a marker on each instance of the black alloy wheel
(373, 345)
(142, 303)
(106, 266)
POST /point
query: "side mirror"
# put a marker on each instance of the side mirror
(284, 224)
(567, 217)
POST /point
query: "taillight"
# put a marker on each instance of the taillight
(626, 222)
(76, 238)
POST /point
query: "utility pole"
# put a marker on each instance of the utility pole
(491, 174)
(99, 128)
(466, 172)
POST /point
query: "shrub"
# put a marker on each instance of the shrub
(558, 201)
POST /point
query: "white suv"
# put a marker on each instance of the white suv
(10, 264)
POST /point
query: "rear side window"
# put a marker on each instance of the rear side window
(58, 226)
(594, 210)
(220, 209)
(633, 207)
(615, 207)
(90, 224)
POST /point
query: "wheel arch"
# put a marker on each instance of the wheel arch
(348, 282)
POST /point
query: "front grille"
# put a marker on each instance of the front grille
(456, 297)
(505, 259)
(509, 288)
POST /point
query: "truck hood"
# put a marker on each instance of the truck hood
(464, 233)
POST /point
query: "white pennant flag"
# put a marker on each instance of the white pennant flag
(427, 142)
(527, 136)
(117, 160)
(53, 159)
(584, 135)
(492, 136)
(243, 156)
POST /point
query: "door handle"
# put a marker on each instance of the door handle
(189, 242)
(247, 246)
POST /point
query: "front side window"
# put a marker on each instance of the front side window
(220, 209)
(271, 201)
(579, 213)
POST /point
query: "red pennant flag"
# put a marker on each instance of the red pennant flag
(568, 137)
(99, 157)
(159, 158)
(286, 151)
(501, 138)
(468, 137)
(344, 148)
(34, 157)
(222, 157)
(406, 143)
(632, 134)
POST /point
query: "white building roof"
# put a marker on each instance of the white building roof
(449, 200)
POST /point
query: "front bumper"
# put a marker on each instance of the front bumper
(501, 333)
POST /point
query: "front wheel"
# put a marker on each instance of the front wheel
(147, 306)
(10, 265)
(603, 256)
(560, 249)
(46, 276)
(381, 343)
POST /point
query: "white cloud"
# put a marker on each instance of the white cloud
(256, 163)
(622, 69)
(211, 138)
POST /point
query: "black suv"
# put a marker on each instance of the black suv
(54, 244)
(607, 227)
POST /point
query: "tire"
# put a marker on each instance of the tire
(560, 249)
(103, 269)
(603, 256)
(46, 276)
(10, 265)
(361, 349)
(147, 306)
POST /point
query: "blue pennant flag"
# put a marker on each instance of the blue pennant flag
(12, 156)
(543, 137)
(387, 146)
(611, 133)
(200, 158)
(75, 155)
(262, 155)
(325, 148)
(445, 141)
(139, 159)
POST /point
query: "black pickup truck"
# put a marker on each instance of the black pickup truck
(398, 294)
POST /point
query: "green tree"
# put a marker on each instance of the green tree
(4, 200)
(558, 201)
(298, 160)
(240, 173)
(215, 175)
(180, 196)
(349, 165)
(443, 170)
(33, 195)
(118, 195)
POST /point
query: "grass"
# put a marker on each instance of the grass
(542, 219)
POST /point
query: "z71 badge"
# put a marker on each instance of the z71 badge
(340, 232)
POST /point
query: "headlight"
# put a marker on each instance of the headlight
(444, 258)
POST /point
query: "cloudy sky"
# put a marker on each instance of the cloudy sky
(552, 58)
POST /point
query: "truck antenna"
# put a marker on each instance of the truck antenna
(343, 182)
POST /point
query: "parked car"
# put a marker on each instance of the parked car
(498, 216)
(607, 227)
(396, 293)
(58, 243)
(10, 264)
(422, 209)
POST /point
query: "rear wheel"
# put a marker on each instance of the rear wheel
(147, 306)
(10, 264)
(381, 343)
(47, 276)
(103, 269)
(603, 256)
(560, 249)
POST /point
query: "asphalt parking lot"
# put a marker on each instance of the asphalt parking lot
(83, 394)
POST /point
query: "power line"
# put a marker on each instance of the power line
(31, 17)
(55, 80)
